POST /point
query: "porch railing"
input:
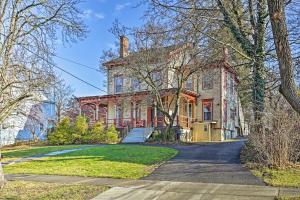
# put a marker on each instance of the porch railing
(181, 120)
(185, 121)
(125, 122)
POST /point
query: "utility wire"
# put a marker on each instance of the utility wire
(77, 63)
(65, 71)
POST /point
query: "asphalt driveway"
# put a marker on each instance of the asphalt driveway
(206, 163)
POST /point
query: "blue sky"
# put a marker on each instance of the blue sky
(98, 16)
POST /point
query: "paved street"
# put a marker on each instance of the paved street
(206, 163)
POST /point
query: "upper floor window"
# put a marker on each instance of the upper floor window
(189, 83)
(207, 110)
(190, 109)
(233, 113)
(118, 84)
(207, 82)
(156, 77)
(135, 84)
(232, 83)
(225, 111)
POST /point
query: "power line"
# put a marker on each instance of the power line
(65, 71)
(75, 62)
(78, 78)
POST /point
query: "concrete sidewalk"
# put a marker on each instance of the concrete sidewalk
(149, 189)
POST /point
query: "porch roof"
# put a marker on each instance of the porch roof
(104, 99)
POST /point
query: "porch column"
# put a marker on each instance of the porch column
(80, 110)
(178, 112)
(155, 114)
(187, 113)
(134, 114)
(97, 112)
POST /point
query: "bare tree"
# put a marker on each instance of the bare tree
(35, 119)
(28, 32)
(238, 25)
(62, 95)
(72, 109)
(162, 59)
(288, 87)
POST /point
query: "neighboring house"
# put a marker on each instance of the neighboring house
(208, 111)
(34, 120)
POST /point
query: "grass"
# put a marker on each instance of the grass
(115, 161)
(32, 151)
(288, 198)
(20, 190)
(279, 177)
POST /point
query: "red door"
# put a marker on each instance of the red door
(149, 116)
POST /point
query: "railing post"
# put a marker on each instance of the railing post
(134, 122)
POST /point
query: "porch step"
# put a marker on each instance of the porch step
(138, 135)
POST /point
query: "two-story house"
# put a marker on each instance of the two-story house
(208, 107)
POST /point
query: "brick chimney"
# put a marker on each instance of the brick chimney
(225, 54)
(124, 44)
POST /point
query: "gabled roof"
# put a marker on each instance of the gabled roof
(153, 52)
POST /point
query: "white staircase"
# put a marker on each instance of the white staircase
(138, 135)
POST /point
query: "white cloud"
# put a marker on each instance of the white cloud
(88, 14)
(120, 7)
(99, 15)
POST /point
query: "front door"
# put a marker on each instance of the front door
(150, 116)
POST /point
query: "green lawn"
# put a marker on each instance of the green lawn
(116, 161)
(283, 178)
(20, 190)
(32, 151)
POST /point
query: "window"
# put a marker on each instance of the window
(190, 110)
(207, 82)
(233, 113)
(205, 127)
(189, 83)
(156, 77)
(225, 80)
(225, 110)
(231, 83)
(207, 110)
(118, 84)
(41, 127)
(135, 84)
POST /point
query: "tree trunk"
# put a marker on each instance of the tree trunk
(258, 90)
(2, 179)
(288, 87)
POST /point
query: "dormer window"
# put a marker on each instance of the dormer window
(135, 84)
(118, 84)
